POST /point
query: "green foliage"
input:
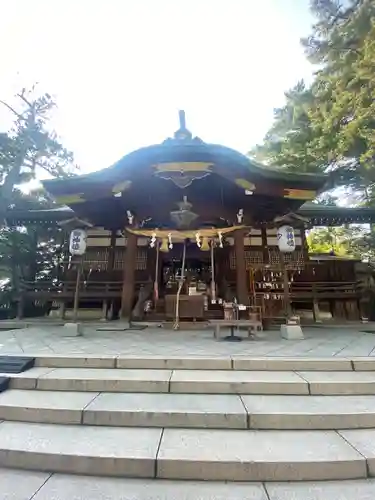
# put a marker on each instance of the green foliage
(342, 115)
(341, 241)
(32, 253)
(330, 125)
(287, 144)
(29, 145)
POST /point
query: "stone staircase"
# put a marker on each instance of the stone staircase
(157, 422)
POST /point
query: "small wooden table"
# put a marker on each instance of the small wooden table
(251, 325)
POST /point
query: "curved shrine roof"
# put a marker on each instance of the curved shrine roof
(184, 160)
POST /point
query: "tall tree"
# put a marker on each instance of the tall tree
(330, 125)
(287, 144)
(27, 149)
(29, 145)
(342, 117)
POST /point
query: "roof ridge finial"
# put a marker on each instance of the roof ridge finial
(182, 117)
(182, 133)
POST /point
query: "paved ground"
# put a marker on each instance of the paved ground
(319, 342)
(20, 485)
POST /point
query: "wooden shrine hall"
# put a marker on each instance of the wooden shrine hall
(194, 224)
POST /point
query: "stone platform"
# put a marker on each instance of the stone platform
(115, 338)
(162, 413)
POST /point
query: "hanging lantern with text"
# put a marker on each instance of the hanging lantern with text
(285, 239)
(77, 242)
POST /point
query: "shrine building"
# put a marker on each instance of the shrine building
(199, 224)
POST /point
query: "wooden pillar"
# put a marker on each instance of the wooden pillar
(266, 255)
(63, 270)
(20, 307)
(104, 310)
(110, 310)
(316, 311)
(108, 306)
(287, 303)
(304, 245)
(111, 251)
(77, 289)
(241, 280)
(62, 309)
(129, 275)
(32, 274)
(151, 263)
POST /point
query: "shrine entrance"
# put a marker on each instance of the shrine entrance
(197, 271)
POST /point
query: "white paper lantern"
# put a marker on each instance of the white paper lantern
(285, 239)
(78, 242)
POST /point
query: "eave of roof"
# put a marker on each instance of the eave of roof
(315, 213)
(212, 153)
(184, 149)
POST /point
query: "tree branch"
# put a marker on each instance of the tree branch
(12, 109)
(22, 96)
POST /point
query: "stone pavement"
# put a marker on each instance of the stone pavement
(44, 339)
(165, 406)
(20, 485)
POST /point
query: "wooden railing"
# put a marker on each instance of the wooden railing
(311, 290)
(88, 289)
(317, 289)
(112, 289)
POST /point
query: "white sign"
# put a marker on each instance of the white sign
(78, 242)
(286, 239)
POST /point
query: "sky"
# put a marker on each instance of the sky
(121, 69)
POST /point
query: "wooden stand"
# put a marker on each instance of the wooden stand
(190, 306)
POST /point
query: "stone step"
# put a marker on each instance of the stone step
(195, 381)
(237, 455)
(203, 363)
(336, 383)
(197, 454)
(189, 410)
(310, 412)
(22, 485)
(130, 409)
